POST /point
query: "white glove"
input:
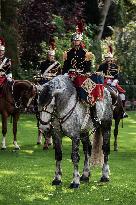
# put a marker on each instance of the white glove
(9, 77)
(66, 74)
(115, 82)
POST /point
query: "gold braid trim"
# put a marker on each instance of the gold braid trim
(89, 56)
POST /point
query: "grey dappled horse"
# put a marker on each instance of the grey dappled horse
(70, 116)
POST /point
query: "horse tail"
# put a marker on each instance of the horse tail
(97, 152)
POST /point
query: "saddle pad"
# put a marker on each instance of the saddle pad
(88, 90)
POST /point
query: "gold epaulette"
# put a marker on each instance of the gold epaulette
(89, 56)
(65, 55)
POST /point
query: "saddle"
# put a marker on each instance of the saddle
(3, 81)
(89, 87)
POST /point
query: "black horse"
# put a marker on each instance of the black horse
(118, 112)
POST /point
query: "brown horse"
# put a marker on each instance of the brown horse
(14, 98)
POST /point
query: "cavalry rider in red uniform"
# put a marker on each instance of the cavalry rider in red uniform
(78, 60)
(5, 64)
(111, 72)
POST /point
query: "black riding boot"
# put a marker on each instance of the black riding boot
(95, 120)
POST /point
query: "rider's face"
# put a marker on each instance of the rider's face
(76, 43)
(51, 57)
(108, 59)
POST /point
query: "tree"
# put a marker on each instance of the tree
(38, 23)
(8, 30)
(103, 14)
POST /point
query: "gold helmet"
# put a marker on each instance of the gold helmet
(108, 55)
(77, 37)
(2, 48)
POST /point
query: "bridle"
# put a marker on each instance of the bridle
(18, 103)
(53, 114)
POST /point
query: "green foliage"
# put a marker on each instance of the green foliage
(62, 40)
(121, 13)
(8, 11)
(8, 30)
(126, 47)
(130, 91)
(60, 26)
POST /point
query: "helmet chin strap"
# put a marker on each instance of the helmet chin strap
(77, 46)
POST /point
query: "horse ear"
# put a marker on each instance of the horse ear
(58, 91)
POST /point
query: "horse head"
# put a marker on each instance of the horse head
(23, 92)
(46, 104)
(47, 94)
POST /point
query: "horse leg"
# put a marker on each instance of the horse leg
(48, 139)
(40, 135)
(116, 134)
(75, 159)
(87, 147)
(4, 130)
(15, 120)
(58, 158)
(106, 132)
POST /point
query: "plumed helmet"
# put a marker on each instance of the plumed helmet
(51, 52)
(2, 48)
(108, 55)
(77, 37)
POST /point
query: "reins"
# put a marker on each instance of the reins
(61, 119)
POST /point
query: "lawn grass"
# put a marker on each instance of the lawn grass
(26, 175)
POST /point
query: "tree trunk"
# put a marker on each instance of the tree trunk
(103, 12)
(0, 10)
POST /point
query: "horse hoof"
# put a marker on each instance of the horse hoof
(16, 149)
(104, 179)
(115, 149)
(56, 182)
(3, 148)
(84, 179)
(45, 148)
(74, 186)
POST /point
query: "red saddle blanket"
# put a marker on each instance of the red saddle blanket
(2, 80)
(89, 89)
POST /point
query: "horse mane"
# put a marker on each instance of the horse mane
(24, 82)
(45, 94)
(58, 82)
(63, 82)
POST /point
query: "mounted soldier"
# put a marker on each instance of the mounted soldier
(49, 68)
(111, 71)
(77, 64)
(5, 64)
